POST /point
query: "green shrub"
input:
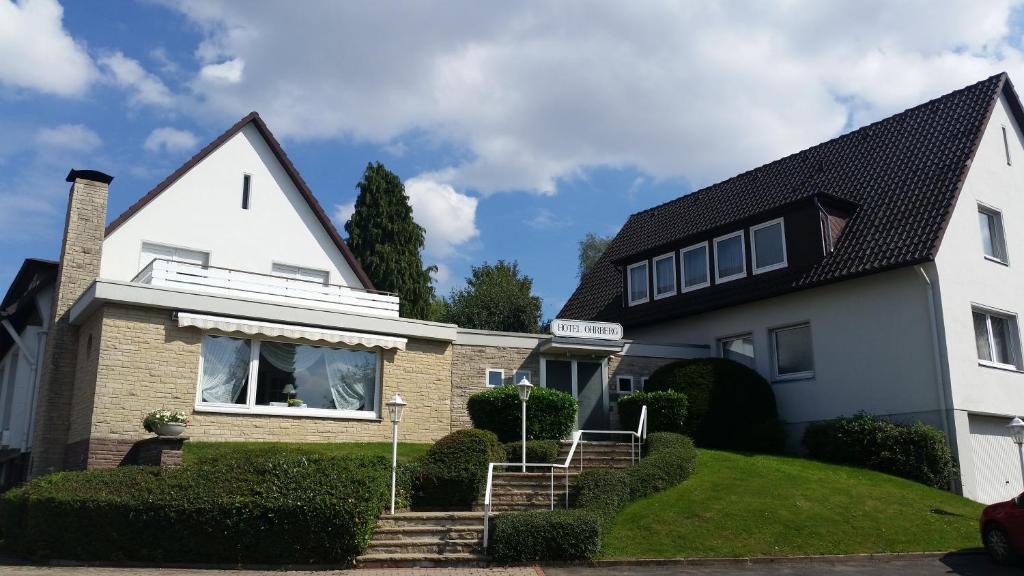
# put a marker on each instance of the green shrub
(917, 452)
(550, 414)
(670, 459)
(721, 393)
(537, 451)
(454, 470)
(666, 411)
(549, 535)
(604, 491)
(285, 509)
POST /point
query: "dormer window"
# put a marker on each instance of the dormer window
(694, 262)
(665, 275)
(768, 246)
(637, 285)
(730, 263)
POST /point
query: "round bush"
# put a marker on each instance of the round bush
(537, 451)
(454, 470)
(666, 411)
(550, 414)
(720, 394)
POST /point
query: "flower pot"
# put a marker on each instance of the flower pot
(170, 429)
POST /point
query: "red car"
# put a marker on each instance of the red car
(1002, 529)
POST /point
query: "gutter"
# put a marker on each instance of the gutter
(939, 360)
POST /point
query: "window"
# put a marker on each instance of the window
(768, 246)
(152, 251)
(1006, 147)
(993, 244)
(738, 348)
(694, 262)
(495, 377)
(643, 382)
(624, 384)
(997, 340)
(730, 262)
(664, 276)
(636, 277)
(246, 187)
(300, 273)
(321, 380)
(520, 374)
(793, 357)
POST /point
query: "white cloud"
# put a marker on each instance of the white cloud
(68, 136)
(343, 213)
(144, 88)
(38, 53)
(229, 72)
(169, 139)
(448, 216)
(544, 219)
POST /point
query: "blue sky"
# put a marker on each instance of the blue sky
(518, 128)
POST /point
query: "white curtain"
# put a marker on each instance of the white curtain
(225, 369)
(352, 377)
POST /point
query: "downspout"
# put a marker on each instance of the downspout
(938, 360)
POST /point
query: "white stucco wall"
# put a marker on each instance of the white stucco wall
(202, 211)
(871, 342)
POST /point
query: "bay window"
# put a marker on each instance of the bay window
(730, 260)
(269, 377)
(997, 340)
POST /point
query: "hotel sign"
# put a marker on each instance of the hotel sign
(586, 329)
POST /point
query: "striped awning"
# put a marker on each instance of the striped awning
(273, 330)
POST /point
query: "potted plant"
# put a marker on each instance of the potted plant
(296, 403)
(165, 422)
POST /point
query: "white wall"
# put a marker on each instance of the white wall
(202, 211)
(871, 342)
(22, 393)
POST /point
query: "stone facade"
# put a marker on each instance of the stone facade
(636, 366)
(469, 373)
(79, 267)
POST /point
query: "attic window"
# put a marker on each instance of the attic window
(637, 283)
(246, 185)
(833, 221)
(730, 257)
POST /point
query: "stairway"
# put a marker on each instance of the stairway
(598, 455)
(426, 539)
(514, 491)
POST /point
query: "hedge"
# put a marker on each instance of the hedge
(550, 414)
(537, 451)
(917, 452)
(666, 411)
(295, 509)
(575, 534)
(454, 470)
(719, 394)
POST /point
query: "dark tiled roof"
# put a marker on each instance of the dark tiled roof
(904, 173)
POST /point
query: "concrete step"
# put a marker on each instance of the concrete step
(461, 560)
(423, 546)
(518, 507)
(430, 519)
(418, 532)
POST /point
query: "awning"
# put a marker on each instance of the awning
(311, 333)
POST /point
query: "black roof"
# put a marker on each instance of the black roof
(18, 305)
(903, 173)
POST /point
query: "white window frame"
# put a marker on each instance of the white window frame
(671, 256)
(806, 375)
(174, 247)
(250, 406)
(298, 270)
(739, 336)
(487, 377)
(753, 246)
(629, 283)
(632, 384)
(643, 382)
(996, 213)
(743, 257)
(707, 265)
(516, 373)
(1014, 335)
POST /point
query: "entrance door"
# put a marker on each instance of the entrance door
(590, 395)
(559, 375)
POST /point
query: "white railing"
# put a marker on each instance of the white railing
(636, 440)
(227, 282)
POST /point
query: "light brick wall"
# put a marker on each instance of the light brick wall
(469, 370)
(635, 366)
(84, 395)
(150, 363)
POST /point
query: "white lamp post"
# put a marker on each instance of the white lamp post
(524, 395)
(1016, 427)
(395, 408)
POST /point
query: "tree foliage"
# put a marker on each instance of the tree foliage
(591, 248)
(496, 297)
(387, 242)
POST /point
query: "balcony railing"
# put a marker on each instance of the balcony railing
(226, 282)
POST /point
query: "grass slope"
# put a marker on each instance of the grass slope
(198, 451)
(737, 505)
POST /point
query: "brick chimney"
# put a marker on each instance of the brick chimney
(79, 267)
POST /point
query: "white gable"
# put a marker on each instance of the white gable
(202, 212)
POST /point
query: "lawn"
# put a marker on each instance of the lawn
(197, 451)
(739, 505)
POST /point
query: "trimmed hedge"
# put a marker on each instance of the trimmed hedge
(666, 411)
(550, 414)
(600, 493)
(719, 394)
(296, 509)
(537, 451)
(917, 452)
(454, 470)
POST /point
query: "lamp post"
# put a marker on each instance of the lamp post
(395, 408)
(524, 395)
(1016, 427)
